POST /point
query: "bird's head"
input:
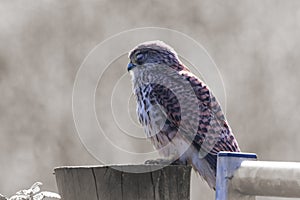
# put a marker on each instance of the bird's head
(154, 54)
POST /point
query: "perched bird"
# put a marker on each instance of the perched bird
(178, 112)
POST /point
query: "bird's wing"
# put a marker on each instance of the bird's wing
(213, 133)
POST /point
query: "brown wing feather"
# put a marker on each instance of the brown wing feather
(213, 134)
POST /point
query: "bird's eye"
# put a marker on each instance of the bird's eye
(140, 58)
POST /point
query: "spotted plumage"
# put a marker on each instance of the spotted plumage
(179, 113)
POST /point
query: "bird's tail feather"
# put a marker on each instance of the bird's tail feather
(206, 167)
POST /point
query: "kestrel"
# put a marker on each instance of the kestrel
(179, 113)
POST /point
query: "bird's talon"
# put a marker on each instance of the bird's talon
(159, 161)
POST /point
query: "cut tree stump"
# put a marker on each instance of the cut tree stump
(116, 182)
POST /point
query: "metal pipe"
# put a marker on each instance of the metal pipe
(228, 163)
(264, 178)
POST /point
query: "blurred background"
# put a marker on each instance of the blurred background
(254, 43)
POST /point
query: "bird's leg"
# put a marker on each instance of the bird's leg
(179, 161)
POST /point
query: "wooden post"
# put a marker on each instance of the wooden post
(151, 182)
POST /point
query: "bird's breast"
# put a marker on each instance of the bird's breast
(150, 114)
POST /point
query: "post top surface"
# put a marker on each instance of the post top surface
(237, 154)
(129, 168)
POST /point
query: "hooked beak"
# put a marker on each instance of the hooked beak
(130, 66)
